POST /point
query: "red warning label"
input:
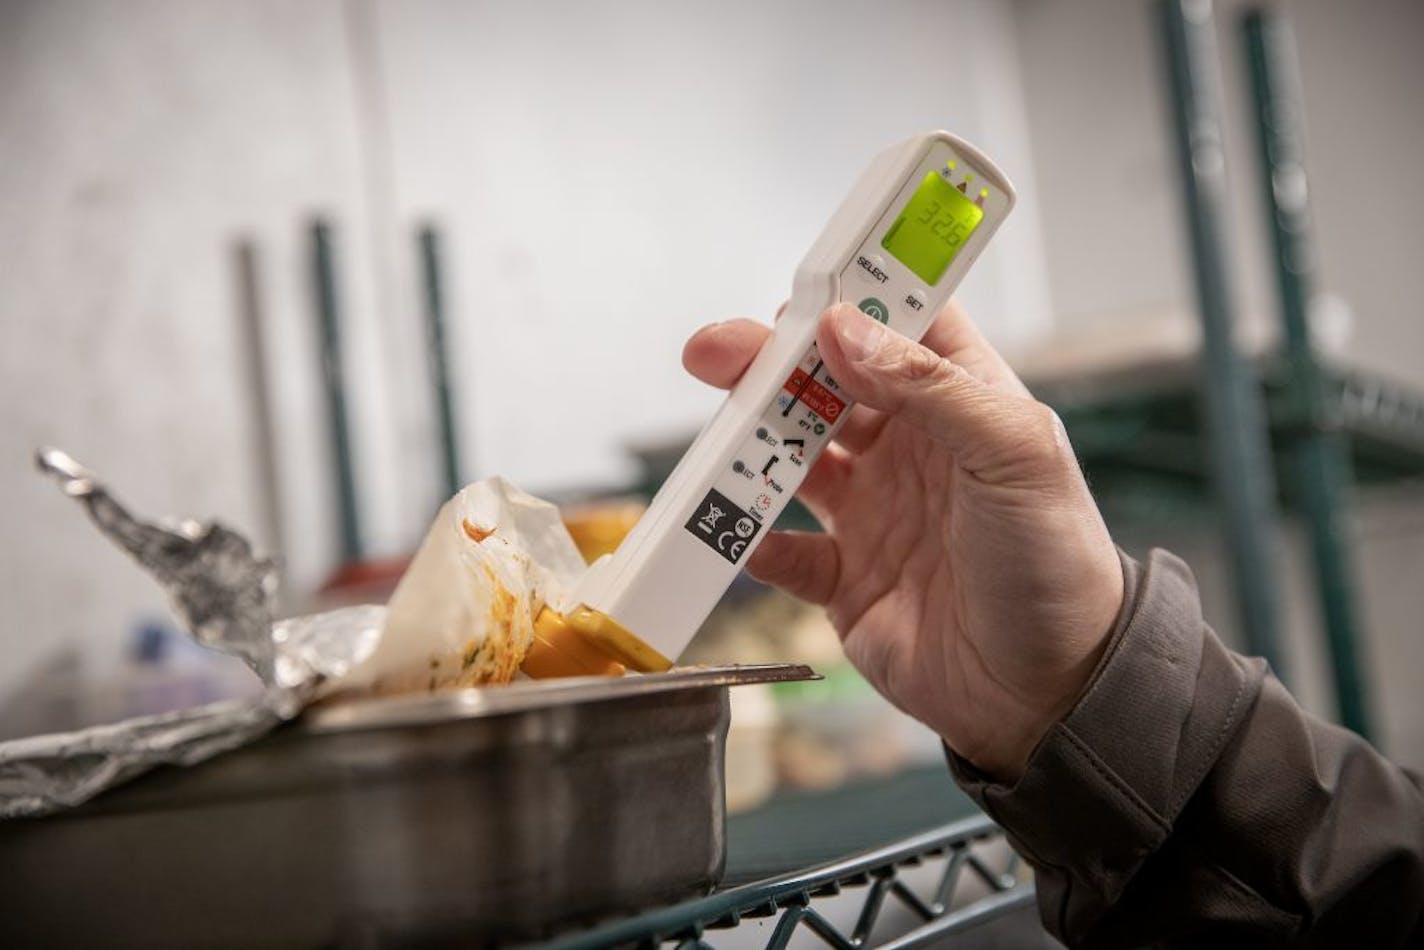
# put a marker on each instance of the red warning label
(814, 396)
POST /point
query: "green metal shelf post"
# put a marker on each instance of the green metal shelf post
(329, 328)
(1316, 448)
(1233, 411)
(437, 348)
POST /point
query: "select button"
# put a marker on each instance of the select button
(872, 267)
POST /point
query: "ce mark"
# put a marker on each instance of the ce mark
(725, 528)
(733, 543)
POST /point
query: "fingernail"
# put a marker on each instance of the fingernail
(860, 336)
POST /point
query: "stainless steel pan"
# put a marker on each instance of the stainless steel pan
(476, 815)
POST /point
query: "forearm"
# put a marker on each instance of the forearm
(1186, 793)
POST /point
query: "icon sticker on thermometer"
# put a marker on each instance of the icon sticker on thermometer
(898, 246)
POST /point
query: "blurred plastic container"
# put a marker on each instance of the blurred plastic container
(160, 669)
(165, 670)
(599, 527)
(836, 729)
(751, 748)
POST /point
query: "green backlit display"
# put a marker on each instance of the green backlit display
(931, 229)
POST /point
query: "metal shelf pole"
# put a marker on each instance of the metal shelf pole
(333, 382)
(1317, 449)
(1235, 418)
(437, 347)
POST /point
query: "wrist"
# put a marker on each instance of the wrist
(1005, 760)
(1005, 754)
(1013, 732)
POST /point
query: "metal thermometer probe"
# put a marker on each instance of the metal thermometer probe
(897, 247)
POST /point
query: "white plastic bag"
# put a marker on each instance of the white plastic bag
(463, 614)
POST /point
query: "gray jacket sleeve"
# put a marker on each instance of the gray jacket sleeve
(1186, 798)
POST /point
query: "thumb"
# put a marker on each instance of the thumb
(995, 435)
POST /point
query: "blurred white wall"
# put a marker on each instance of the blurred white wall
(140, 140)
(613, 175)
(607, 177)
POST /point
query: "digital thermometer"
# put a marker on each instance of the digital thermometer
(897, 247)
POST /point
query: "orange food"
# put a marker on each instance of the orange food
(598, 528)
(474, 532)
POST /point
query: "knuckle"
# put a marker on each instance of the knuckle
(918, 366)
(1047, 436)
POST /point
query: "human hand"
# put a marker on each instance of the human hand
(964, 562)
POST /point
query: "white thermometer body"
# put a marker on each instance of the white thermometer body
(898, 246)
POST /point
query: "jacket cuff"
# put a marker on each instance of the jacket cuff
(1105, 784)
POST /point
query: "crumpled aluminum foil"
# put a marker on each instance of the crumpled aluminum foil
(223, 593)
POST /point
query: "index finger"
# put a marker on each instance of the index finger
(720, 353)
(955, 337)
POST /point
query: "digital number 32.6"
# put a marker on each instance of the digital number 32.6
(949, 229)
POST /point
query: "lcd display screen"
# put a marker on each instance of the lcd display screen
(932, 227)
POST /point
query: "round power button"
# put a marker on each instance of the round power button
(875, 309)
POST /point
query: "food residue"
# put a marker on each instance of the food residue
(474, 531)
